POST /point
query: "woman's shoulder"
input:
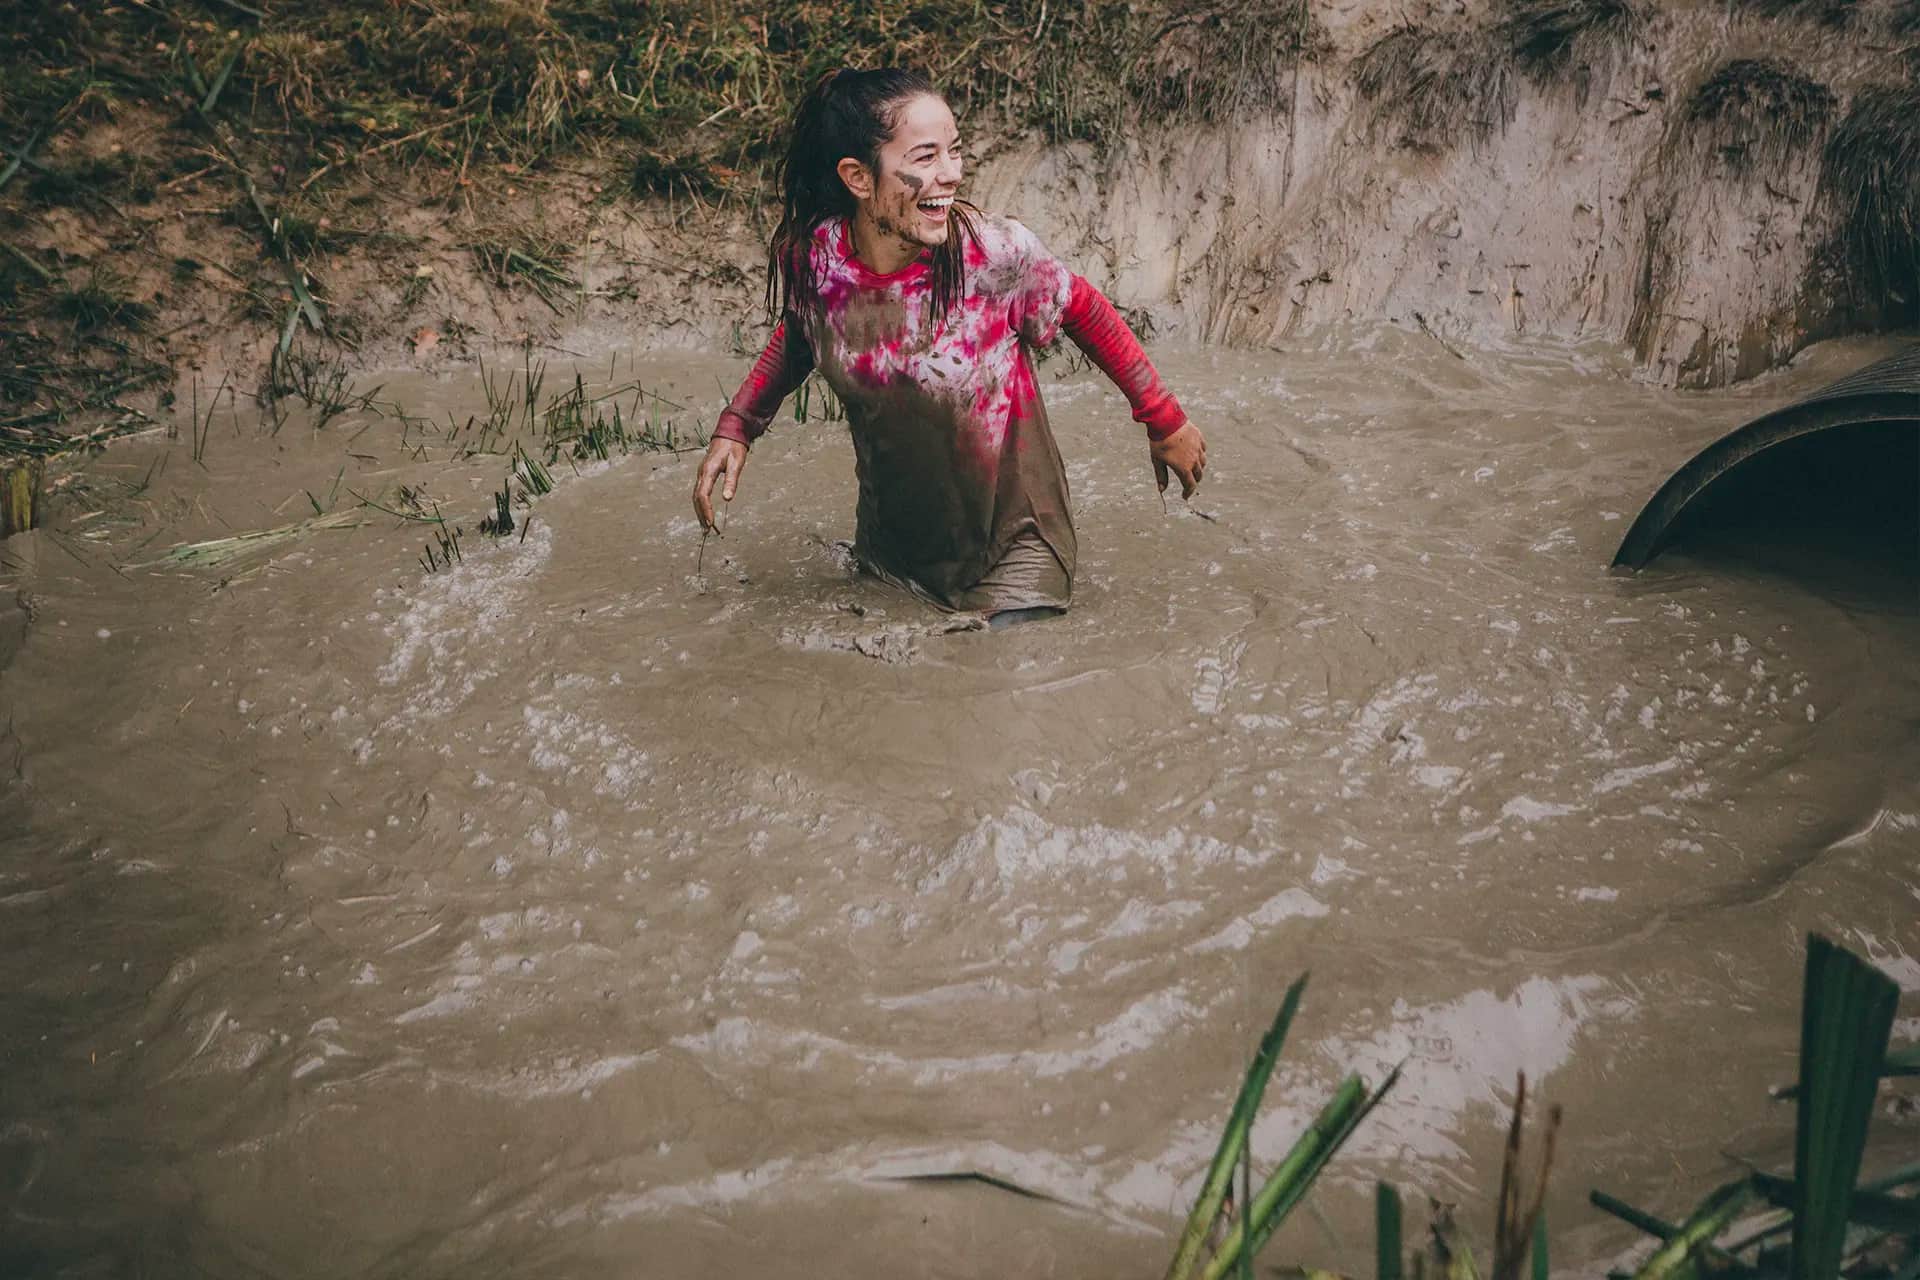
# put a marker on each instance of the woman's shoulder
(998, 238)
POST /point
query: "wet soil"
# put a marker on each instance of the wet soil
(605, 904)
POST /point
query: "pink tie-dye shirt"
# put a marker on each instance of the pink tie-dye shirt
(955, 459)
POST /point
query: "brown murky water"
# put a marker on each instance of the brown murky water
(567, 914)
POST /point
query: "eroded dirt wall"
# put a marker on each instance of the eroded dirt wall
(1658, 182)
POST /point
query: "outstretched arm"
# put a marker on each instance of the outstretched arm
(1097, 329)
(783, 366)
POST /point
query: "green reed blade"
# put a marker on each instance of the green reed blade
(1846, 1016)
(1386, 1231)
(1868, 1208)
(1239, 1121)
(1266, 1219)
(1679, 1256)
(1284, 1187)
(1898, 1062)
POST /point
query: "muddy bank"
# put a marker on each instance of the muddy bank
(1693, 181)
(1713, 186)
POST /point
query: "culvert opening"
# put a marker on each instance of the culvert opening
(1839, 507)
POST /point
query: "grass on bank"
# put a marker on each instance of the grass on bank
(1431, 87)
(298, 109)
(1757, 114)
(290, 106)
(1870, 175)
(694, 87)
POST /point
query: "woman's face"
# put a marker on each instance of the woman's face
(919, 172)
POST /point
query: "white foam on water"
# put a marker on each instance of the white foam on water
(1289, 904)
(1135, 1029)
(1890, 959)
(728, 1187)
(1527, 809)
(1464, 1053)
(553, 1077)
(1000, 854)
(454, 622)
(1618, 778)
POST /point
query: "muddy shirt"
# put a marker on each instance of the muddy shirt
(955, 459)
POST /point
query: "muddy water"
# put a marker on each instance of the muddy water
(574, 913)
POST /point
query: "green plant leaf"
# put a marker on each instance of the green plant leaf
(1846, 1016)
(1868, 1208)
(1899, 1062)
(1680, 1256)
(1386, 1231)
(1213, 1190)
(1289, 1184)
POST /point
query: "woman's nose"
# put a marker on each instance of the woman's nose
(948, 172)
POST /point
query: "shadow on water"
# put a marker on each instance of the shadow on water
(1836, 512)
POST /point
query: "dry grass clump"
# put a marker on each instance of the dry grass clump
(1870, 174)
(1434, 88)
(1828, 13)
(1757, 113)
(100, 302)
(1216, 61)
(1547, 38)
(289, 68)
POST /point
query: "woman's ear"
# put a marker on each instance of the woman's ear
(857, 177)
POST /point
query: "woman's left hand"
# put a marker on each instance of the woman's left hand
(1185, 454)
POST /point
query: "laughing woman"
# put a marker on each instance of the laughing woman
(920, 312)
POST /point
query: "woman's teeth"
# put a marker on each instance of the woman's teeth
(937, 204)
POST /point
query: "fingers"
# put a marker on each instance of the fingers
(703, 493)
(724, 462)
(1189, 481)
(1160, 474)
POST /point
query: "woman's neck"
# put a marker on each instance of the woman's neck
(878, 250)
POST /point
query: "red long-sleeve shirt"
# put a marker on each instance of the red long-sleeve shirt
(1090, 319)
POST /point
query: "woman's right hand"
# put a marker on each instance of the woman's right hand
(1185, 454)
(725, 458)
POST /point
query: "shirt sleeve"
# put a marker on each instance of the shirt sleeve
(781, 368)
(1097, 329)
(1042, 290)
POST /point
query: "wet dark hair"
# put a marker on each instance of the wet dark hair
(847, 113)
